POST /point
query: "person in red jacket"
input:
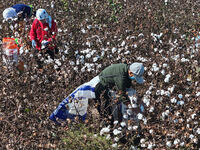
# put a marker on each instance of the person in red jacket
(43, 33)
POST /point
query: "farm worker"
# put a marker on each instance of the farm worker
(121, 76)
(17, 12)
(43, 34)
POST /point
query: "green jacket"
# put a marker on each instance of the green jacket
(116, 74)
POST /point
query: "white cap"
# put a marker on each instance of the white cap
(41, 14)
(9, 13)
(137, 69)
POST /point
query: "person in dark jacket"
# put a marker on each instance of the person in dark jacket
(17, 12)
(119, 76)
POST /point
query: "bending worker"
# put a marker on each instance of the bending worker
(17, 12)
(121, 77)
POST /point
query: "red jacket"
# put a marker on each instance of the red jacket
(39, 33)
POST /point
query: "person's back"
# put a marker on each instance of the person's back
(25, 9)
(116, 74)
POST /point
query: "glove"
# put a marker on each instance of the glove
(33, 44)
(142, 108)
(45, 43)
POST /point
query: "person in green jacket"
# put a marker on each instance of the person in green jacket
(121, 77)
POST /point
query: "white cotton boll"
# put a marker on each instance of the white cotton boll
(150, 146)
(139, 116)
(155, 49)
(88, 55)
(71, 63)
(107, 129)
(173, 100)
(89, 27)
(17, 34)
(143, 145)
(93, 52)
(77, 62)
(133, 147)
(167, 93)
(66, 51)
(58, 62)
(135, 45)
(141, 34)
(127, 52)
(193, 115)
(149, 73)
(55, 67)
(102, 53)
(167, 77)
(144, 120)
(151, 131)
(123, 124)
(114, 145)
(160, 51)
(99, 66)
(88, 43)
(52, 4)
(198, 131)
(171, 89)
(162, 92)
(182, 143)
(31, 55)
(95, 59)
(120, 128)
(163, 115)
(59, 30)
(114, 49)
(180, 103)
(169, 144)
(108, 137)
(180, 96)
(158, 92)
(155, 69)
(165, 65)
(163, 72)
(130, 128)
(191, 136)
(177, 113)
(134, 105)
(11, 27)
(135, 127)
(142, 140)
(146, 100)
(167, 112)
(26, 51)
(123, 43)
(195, 140)
(125, 116)
(151, 109)
(76, 69)
(148, 92)
(83, 69)
(116, 132)
(116, 139)
(129, 112)
(83, 30)
(116, 122)
(176, 141)
(198, 94)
